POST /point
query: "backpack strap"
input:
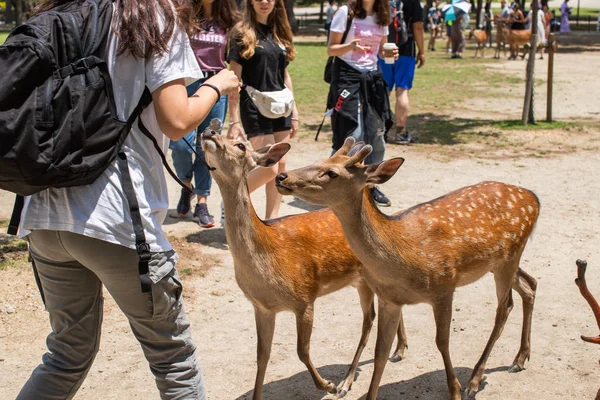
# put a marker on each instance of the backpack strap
(344, 36)
(15, 218)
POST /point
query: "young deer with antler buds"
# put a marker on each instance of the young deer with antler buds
(286, 263)
(424, 253)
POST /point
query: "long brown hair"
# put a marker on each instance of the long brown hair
(137, 23)
(244, 32)
(225, 14)
(381, 9)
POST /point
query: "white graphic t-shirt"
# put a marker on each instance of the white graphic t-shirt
(369, 33)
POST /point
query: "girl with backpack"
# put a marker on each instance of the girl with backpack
(208, 37)
(260, 50)
(358, 94)
(82, 239)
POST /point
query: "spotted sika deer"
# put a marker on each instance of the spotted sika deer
(423, 254)
(286, 263)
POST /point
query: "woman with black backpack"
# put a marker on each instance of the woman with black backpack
(82, 238)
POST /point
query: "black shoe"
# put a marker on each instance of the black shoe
(183, 206)
(379, 197)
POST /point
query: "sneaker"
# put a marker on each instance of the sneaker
(183, 206)
(202, 217)
(379, 197)
(404, 138)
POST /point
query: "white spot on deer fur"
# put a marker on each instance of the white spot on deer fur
(522, 210)
(513, 197)
(484, 195)
(522, 226)
(480, 201)
(451, 213)
(460, 215)
(498, 193)
(509, 204)
(530, 209)
(453, 232)
(514, 221)
(520, 195)
(473, 205)
(509, 189)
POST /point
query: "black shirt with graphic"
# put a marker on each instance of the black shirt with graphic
(265, 69)
(413, 12)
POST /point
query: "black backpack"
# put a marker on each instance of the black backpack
(58, 119)
(400, 31)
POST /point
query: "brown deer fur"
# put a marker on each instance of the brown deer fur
(424, 253)
(480, 38)
(515, 39)
(286, 263)
(500, 40)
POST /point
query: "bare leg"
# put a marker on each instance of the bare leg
(402, 107)
(442, 312)
(273, 202)
(304, 325)
(265, 327)
(505, 279)
(402, 345)
(368, 309)
(387, 325)
(525, 285)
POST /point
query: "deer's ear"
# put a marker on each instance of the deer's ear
(382, 172)
(270, 155)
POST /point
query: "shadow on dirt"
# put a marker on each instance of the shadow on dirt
(430, 386)
(214, 237)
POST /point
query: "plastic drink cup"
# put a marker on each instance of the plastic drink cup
(388, 52)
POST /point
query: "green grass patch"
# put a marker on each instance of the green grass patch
(3, 36)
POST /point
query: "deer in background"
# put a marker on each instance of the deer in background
(583, 289)
(423, 254)
(286, 263)
(480, 37)
(500, 40)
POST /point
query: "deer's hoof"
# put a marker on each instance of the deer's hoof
(515, 368)
(396, 357)
(331, 387)
(470, 393)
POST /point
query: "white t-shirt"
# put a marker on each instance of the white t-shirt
(100, 210)
(369, 33)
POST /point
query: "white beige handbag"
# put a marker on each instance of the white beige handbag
(272, 104)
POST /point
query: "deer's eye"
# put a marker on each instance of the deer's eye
(332, 174)
(240, 146)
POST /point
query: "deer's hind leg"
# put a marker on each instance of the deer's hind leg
(504, 277)
(304, 326)
(368, 309)
(525, 285)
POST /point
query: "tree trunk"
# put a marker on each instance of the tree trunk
(478, 21)
(528, 114)
(289, 8)
(321, 11)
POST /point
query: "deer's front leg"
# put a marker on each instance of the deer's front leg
(387, 324)
(265, 327)
(304, 326)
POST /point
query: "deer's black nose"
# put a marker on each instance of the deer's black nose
(207, 133)
(281, 177)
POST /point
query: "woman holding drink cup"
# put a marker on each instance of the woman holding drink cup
(358, 96)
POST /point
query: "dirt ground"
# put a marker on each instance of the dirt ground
(561, 366)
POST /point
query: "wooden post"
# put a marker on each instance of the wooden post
(551, 47)
(528, 113)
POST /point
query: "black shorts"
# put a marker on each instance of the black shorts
(255, 124)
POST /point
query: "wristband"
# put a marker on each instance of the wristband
(295, 119)
(233, 123)
(213, 87)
